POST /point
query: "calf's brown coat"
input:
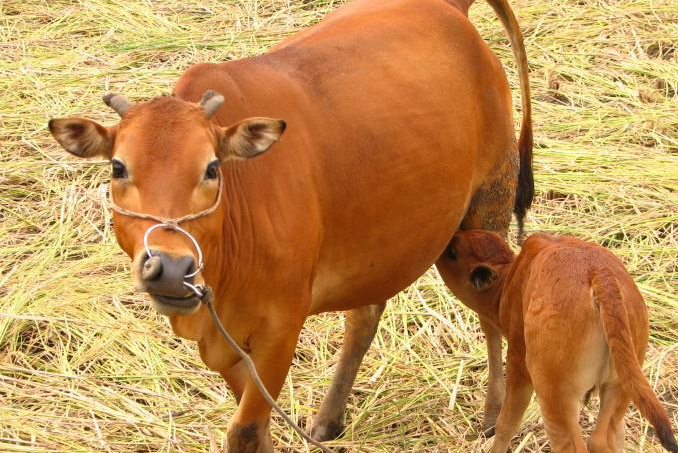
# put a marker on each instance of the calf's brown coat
(575, 321)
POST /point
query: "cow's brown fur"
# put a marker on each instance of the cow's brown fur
(574, 320)
(399, 129)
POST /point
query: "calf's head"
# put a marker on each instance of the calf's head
(166, 157)
(476, 265)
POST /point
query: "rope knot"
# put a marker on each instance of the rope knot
(171, 224)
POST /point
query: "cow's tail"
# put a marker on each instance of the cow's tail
(617, 330)
(525, 189)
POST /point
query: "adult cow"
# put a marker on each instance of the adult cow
(400, 132)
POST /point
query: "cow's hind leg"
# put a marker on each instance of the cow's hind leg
(491, 209)
(360, 327)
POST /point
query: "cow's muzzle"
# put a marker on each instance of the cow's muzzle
(170, 280)
(162, 274)
(165, 279)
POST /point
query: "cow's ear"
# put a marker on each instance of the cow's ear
(250, 137)
(82, 137)
(483, 277)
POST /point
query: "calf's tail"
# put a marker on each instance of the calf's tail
(617, 330)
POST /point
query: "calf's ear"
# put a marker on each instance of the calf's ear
(250, 137)
(82, 137)
(483, 277)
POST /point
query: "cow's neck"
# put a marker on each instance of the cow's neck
(228, 255)
(233, 255)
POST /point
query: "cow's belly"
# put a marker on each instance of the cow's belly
(386, 250)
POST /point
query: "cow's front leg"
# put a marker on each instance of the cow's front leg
(272, 348)
(236, 378)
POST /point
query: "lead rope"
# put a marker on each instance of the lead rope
(205, 296)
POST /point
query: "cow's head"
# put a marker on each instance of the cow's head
(166, 158)
(477, 263)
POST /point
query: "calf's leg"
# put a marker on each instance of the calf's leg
(360, 327)
(518, 395)
(560, 388)
(618, 425)
(608, 435)
(561, 418)
(496, 392)
(495, 385)
(558, 361)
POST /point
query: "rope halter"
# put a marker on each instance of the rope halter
(172, 224)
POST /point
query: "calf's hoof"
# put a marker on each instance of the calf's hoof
(326, 430)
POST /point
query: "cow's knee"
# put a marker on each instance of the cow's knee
(249, 438)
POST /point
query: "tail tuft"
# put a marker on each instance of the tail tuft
(667, 439)
(525, 190)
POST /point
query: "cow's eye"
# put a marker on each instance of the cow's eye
(118, 169)
(212, 168)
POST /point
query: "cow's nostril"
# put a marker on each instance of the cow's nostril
(152, 269)
(186, 265)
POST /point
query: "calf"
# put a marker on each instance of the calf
(575, 322)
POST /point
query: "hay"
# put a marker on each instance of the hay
(86, 365)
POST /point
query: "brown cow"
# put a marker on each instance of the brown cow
(575, 321)
(400, 130)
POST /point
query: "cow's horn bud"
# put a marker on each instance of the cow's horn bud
(117, 102)
(210, 102)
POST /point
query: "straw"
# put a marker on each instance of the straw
(87, 365)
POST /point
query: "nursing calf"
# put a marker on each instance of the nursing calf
(575, 322)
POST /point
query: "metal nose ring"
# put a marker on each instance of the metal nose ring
(178, 229)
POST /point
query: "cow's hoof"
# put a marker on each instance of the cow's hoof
(482, 433)
(488, 432)
(329, 430)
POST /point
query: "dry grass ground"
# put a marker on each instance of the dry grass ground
(86, 365)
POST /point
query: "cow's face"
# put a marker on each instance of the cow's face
(166, 158)
(477, 263)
